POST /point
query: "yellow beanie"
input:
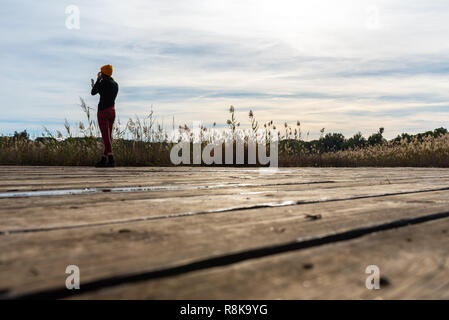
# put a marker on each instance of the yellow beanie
(107, 70)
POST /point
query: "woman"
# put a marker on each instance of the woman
(108, 89)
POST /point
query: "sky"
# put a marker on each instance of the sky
(345, 66)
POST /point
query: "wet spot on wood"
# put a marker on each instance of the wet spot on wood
(34, 271)
(384, 282)
(307, 266)
(313, 216)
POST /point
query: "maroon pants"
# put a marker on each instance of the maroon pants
(106, 119)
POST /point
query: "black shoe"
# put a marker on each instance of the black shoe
(111, 162)
(101, 163)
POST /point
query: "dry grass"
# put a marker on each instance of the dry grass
(142, 142)
(430, 152)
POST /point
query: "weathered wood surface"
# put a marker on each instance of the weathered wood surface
(413, 264)
(154, 243)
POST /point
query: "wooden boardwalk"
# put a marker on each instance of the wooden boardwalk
(224, 233)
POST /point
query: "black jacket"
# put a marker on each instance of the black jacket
(108, 89)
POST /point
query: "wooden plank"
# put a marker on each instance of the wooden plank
(57, 178)
(413, 263)
(37, 261)
(75, 211)
(206, 188)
